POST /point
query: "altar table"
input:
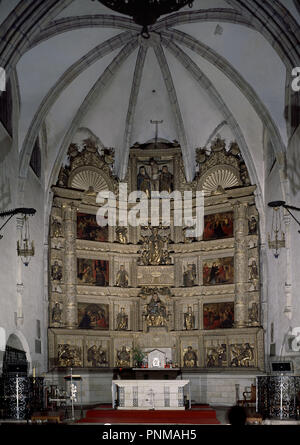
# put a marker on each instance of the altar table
(150, 394)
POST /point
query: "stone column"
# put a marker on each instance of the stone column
(240, 265)
(70, 265)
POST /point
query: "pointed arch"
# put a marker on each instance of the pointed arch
(65, 79)
(136, 82)
(189, 165)
(96, 91)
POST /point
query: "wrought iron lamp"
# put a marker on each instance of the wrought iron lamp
(278, 242)
(25, 247)
(145, 12)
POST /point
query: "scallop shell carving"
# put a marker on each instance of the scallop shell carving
(219, 178)
(88, 178)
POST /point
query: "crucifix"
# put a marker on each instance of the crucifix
(156, 123)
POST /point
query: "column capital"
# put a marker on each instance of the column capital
(70, 206)
(238, 203)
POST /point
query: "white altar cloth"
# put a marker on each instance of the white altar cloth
(150, 394)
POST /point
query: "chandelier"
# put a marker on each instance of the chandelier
(146, 12)
(277, 238)
(25, 247)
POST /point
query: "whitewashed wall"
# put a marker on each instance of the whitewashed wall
(20, 310)
(282, 274)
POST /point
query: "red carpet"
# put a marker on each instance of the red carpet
(198, 415)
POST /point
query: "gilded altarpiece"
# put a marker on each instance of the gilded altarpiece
(117, 289)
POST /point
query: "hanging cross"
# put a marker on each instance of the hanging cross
(156, 123)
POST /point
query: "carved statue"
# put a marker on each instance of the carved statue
(156, 314)
(122, 320)
(189, 319)
(156, 245)
(96, 355)
(154, 176)
(190, 358)
(123, 357)
(56, 271)
(218, 144)
(252, 225)
(56, 228)
(216, 357)
(122, 277)
(144, 181)
(189, 275)
(241, 355)
(253, 271)
(155, 249)
(109, 155)
(200, 155)
(234, 149)
(244, 174)
(166, 180)
(73, 150)
(121, 233)
(69, 355)
(63, 177)
(56, 313)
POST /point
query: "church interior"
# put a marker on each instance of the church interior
(195, 115)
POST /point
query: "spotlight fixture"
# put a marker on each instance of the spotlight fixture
(145, 12)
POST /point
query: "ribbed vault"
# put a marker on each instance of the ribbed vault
(41, 21)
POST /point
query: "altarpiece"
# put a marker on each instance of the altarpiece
(116, 289)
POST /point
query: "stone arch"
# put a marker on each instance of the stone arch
(225, 67)
(17, 340)
(215, 132)
(276, 24)
(23, 31)
(186, 152)
(67, 77)
(66, 24)
(95, 91)
(203, 81)
(71, 23)
(297, 5)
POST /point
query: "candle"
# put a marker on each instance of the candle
(33, 372)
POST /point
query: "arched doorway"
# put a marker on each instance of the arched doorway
(15, 357)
